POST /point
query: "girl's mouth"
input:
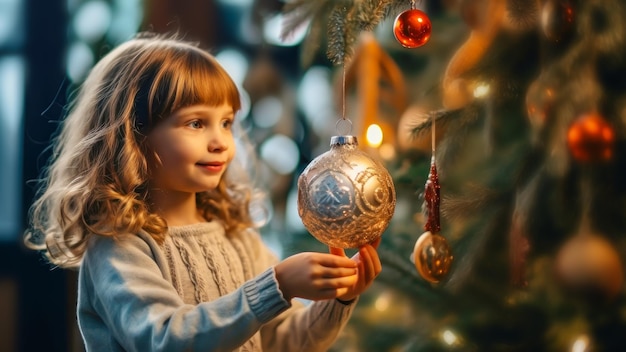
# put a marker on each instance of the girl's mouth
(212, 167)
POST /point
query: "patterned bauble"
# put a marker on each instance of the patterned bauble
(345, 197)
(591, 139)
(412, 28)
(432, 257)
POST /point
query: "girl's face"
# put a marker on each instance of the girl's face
(194, 146)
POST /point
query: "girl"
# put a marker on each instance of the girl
(146, 195)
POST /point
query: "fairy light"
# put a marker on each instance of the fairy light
(383, 302)
(449, 337)
(581, 344)
(374, 136)
(481, 90)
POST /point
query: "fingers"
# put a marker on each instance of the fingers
(315, 276)
(344, 282)
(335, 259)
(326, 272)
(337, 251)
(339, 292)
(333, 293)
(328, 266)
(370, 262)
(376, 242)
(333, 288)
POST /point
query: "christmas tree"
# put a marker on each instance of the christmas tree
(522, 106)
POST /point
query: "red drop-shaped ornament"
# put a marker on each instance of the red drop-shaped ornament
(412, 28)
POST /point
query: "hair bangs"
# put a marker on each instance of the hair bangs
(194, 78)
(212, 85)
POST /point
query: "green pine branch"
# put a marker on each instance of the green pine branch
(344, 20)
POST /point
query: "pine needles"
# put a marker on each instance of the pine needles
(344, 20)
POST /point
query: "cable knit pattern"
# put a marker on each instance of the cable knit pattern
(174, 277)
(244, 256)
(198, 283)
(201, 290)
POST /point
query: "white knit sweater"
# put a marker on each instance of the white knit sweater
(199, 291)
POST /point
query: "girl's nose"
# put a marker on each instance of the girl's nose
(218, 142)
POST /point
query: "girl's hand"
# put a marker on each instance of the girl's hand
(368, 265)
(316, 276)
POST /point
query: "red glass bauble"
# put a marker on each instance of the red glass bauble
(591, 139)
(412, 28)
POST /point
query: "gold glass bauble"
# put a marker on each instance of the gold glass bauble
(345, 198)
(432, 257)
(590, 265)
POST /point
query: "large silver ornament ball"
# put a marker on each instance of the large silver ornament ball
(345, 198)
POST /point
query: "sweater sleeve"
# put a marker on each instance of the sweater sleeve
(311, 328)
(125, 303)
(306, 328)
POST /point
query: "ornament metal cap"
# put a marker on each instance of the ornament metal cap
(343, 140)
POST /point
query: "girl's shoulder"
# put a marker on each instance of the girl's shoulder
(98, 245)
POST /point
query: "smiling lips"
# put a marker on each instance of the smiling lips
(212, 166)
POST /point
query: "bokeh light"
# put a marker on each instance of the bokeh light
(92, 20)
(374, 135)
(267, 112)
(80, 59)
(235, 63)
(315, 100)
(272, 32)
(281, 153)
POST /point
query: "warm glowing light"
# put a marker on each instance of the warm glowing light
(581, 344)
(374, 136)
(382, 303)
(481, 90)
(449, 337)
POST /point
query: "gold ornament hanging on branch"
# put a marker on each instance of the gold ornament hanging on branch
(432, 254)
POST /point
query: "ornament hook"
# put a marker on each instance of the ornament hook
(343, 125)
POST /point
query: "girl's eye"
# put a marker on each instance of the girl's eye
(195, 124)
(227, 124)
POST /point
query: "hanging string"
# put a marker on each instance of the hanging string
(343, 93)
(343, 126)
(433, 132)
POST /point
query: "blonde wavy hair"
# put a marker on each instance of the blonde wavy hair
(96, 180)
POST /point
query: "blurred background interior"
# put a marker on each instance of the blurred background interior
(530, 104)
